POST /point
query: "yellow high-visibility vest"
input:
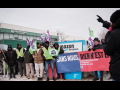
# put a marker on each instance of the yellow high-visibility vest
(46, 53)
(20, 54)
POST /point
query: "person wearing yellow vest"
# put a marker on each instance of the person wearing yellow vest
(61, 51)
(20, 58)
(48, 59)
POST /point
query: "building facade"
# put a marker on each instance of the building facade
(13, 34)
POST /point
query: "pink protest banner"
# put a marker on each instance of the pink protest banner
(94, 60)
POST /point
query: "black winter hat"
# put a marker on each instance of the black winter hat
(18, 44)
(56, 43)
(96, 39)
(38, 43)
(115, 16)
(28, 47)
(46, 42)
(9, 46)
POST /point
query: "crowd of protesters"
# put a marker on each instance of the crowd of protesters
(27, 62)
(39, 61)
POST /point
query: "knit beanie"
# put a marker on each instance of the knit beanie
(115, 16)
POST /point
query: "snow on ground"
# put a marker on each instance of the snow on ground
(89, 78)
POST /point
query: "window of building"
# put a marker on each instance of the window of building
(38, 38)
(1, 36)
(20, 37)
(6, 36)
(34, 38)
(11, 36)
(24, 37)
(31, 38)
(16, 37)
(28, 37)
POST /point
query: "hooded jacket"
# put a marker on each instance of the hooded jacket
(61, 50)
(28, 57)
(112, 49)
(11, 56)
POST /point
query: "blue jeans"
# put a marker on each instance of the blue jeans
(46, 67)
(113, 80)
(101, 74)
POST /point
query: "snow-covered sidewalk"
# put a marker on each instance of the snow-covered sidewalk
(89, 78)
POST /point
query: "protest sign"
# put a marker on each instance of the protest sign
(33, 47)
(68, 62)
(94, 60)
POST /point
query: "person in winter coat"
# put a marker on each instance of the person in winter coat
(108, 26)
(2, 58)
(48, 60)
(61, 51)
(11, 58)
(20, 58)
(97, 46)
(38, 60)
(103, 42)
(29, 63)
(112, 47)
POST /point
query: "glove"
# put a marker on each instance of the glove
(100, 19)
(93, 49)
(89, 49)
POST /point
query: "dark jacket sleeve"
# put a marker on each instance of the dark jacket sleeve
(15, 55)
(42, 54)
(23, 50)
(107, 36)
(98, 47)
(111, 44)
(106, 24)
(61, 51)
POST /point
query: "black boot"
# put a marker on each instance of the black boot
(10, 76)
(14, 76)
(95, 79)
(54, 79)
(38, 79)
(101, 79)
(47, 79)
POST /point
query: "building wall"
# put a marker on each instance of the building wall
(22, 28)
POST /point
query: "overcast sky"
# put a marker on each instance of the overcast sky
(73, 21)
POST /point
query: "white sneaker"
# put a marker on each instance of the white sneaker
(3, 76)
(6, 76)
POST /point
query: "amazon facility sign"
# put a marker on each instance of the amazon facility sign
(72, 46)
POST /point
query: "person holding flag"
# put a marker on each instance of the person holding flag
(5, 66)
(29, 63)
(38, 60)
(60, 51)
(48, 59)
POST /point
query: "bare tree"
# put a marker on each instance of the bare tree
(102, 33)
(61, 35)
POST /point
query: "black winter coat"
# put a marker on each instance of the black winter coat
(11, 57)
(112, 49)
(99, 46)
(106, 25)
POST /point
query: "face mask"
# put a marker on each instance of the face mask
(110, 29)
